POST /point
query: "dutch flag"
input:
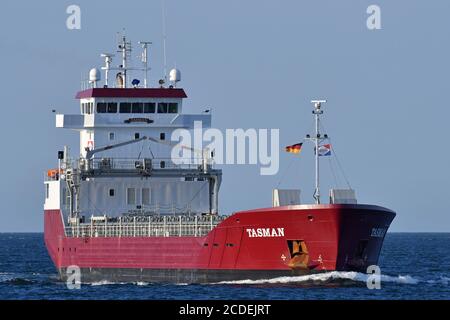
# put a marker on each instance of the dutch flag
(325, 150)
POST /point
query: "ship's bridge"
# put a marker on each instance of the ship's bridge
(125, 164)
(108, 107)
(111, 115)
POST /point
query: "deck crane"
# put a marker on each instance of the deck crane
(205, 154)
(90, 153)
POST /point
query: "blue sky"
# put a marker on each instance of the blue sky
(257, 64)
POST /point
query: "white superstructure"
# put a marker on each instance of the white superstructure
(123, 166)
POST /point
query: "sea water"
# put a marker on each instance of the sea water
(413, 266)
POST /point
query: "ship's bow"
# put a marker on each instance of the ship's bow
(362, 230)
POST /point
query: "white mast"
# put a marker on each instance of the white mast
(125, 49)
(317, 139)
(144, 60)
(107, 67)
(164, 38)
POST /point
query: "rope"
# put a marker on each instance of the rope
(142, 148)
(340, 167)
(285, 172)
(290, 163)
(151, 152)
(336, 183)
(196, 194)
(336, 157)
(91, 203)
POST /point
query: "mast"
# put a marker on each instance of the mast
(144, 60)
(164, 38)
(107, 67)
(317, 139)
(124, 49)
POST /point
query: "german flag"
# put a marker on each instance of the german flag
(295, 148)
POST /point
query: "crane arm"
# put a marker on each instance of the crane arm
(172, 144)
(90, 153)
(203, 153)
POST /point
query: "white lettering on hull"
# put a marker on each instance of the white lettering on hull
(265, 232)
(378, 232)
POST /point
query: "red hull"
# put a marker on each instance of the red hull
(338, 237)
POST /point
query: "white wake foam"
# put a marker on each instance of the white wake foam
(6, 276)
(108, 283)
(105, 283)
(327, 277)
(441, 281)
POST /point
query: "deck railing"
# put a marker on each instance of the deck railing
(150, 226)
(131, 164)
(139, 165)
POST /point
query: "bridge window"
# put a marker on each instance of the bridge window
(136, 135)
(125, 107)
(173, 107)
(162, 107)
(112, 107)
(101, 107)
(137, 107)
(89, 108)
(112, 136)
(131, 196)
(47, 191)
(162, 136)
(111, 192)
(149, 107)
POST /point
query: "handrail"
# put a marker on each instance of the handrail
(151, 226)
(127, 164)
(141, 163)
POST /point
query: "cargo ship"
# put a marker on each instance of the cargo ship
(123, 210)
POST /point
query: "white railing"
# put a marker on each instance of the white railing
(150, 226)
(130, 164)
(107, 164)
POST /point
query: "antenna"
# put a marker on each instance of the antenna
(107, 67)
(174, 76)
(94, 77)
(84, 81)
(317, 139)
(318, 103)
(144, 59)
(125, 49)
(164, 38)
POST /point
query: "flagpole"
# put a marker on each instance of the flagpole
(317, 191)
(317, 138)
